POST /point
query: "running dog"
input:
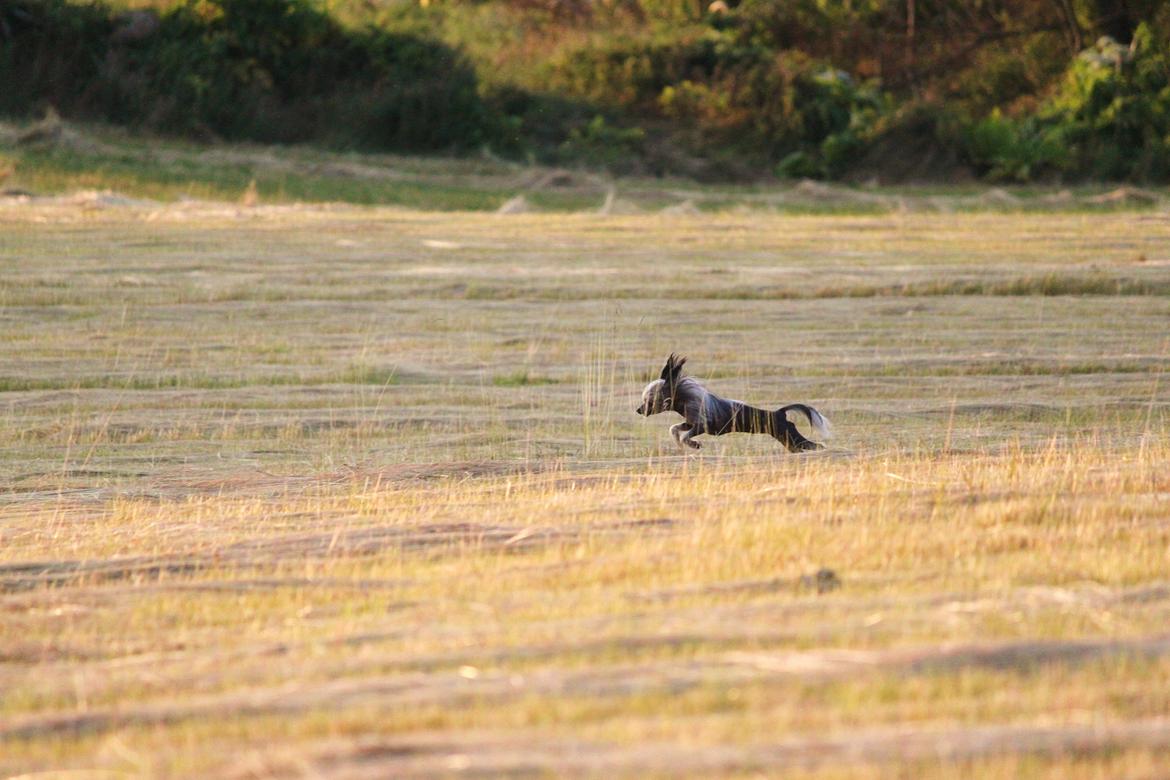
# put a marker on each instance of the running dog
(705, 412)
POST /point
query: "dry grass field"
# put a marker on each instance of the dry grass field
(352, 492)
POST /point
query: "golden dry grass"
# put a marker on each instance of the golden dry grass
(344, 492)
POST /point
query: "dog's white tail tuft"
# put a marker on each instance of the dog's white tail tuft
(818, 421)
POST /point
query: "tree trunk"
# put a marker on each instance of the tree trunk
(1114, 18)
(1072, 28)
(911, 63)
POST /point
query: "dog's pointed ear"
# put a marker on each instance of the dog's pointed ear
(673, 369)
(666, 369)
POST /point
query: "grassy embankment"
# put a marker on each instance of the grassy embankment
(62, 159)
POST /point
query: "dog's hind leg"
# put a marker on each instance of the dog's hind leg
(786, 433)
(682, 434)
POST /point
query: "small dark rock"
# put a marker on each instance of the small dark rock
(823, 581)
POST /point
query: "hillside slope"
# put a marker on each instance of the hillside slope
(727, 91)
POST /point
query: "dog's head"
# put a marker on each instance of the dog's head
(658, 396)
(655, 399)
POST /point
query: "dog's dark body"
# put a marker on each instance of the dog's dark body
(707, 413)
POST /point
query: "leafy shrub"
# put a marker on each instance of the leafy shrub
(1114, 108)
(268, 70)
(781, 106)
(1109, 118)
(49, 51)
(600, 143)
(1015, 150)
(1012, 79)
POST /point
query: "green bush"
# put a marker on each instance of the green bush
(599, 143)
(1011, 150)
(1114, 108)
(1009, 79)
(49, 53)
(778, 106)
(267, 70)
(1109, 118)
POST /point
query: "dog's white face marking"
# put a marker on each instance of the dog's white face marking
(654, 399)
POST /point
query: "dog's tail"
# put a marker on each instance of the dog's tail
(815, 418)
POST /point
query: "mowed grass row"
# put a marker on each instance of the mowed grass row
(283, 497)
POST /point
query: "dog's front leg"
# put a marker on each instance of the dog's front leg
(682, 434)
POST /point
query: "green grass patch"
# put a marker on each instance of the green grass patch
(521, 379)
(358, 375)
(56, 171)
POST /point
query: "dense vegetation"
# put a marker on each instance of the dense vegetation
(1011, 91)
(268, 70)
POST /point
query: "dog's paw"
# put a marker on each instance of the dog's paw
(694, 445)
